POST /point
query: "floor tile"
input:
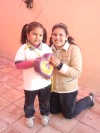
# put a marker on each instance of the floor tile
(4, 88)
(2, 65)
(7, 62)
(22, 128)
(20, 102)
(3, 103)
(97, 97)
(48, 129)
(12, 119)
(11, 113)
(14, 82)
(6, 69)
(12, 95)
(83, 91)
(96, 108)
(5, 78)
(79, 97)
(19, 88)
(10, 130)
(37, 112)
(3, 126)
(1, 74)
(82, 128)
(16, 73)
(36, 102)
(62, 124)
(20, 77)
(91, 119)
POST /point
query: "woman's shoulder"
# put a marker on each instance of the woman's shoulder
(74, 50)
(74, 47)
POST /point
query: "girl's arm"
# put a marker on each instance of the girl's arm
(23, 64)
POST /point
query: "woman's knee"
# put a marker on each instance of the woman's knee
(67, 116)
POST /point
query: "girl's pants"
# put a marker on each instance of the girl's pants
(43, 97)
(67, 104)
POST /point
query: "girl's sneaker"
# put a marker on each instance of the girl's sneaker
(29, 122)
(44, 120)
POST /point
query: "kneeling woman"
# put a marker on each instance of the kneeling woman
(68, 67)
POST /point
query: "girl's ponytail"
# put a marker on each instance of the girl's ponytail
(23, 34)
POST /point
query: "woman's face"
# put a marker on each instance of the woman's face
(59, 37)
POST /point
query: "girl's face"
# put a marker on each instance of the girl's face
(35, 36)
(59, 37)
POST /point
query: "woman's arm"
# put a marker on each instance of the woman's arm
(75, 68)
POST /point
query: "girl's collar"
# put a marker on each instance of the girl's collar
(35, 46)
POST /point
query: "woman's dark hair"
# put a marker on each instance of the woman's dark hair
(29, 27)
(65, 28)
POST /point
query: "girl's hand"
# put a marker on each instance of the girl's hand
(54, 61)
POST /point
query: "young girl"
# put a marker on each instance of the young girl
(34, 34)
(68, 68)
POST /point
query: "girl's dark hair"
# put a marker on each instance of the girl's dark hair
(65, 28)
(29, 27)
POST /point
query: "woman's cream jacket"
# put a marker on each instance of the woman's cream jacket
(65, 80)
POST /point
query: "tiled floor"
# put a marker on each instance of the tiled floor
(12, 118)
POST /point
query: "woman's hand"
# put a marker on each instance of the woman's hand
(54, 61)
